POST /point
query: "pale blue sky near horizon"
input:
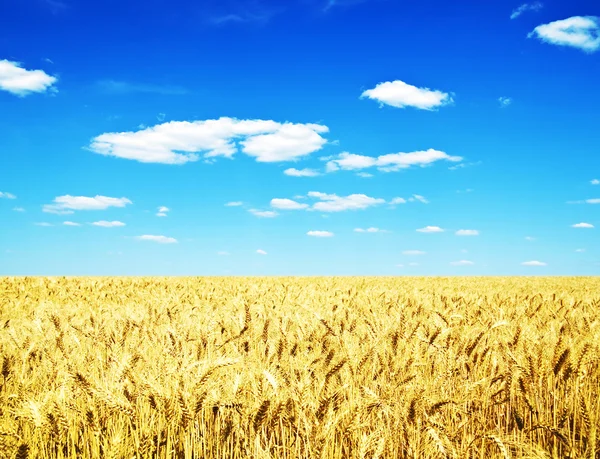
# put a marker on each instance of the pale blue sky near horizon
(431, 139)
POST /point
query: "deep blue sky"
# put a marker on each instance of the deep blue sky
(81, 82)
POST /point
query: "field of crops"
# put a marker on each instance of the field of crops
(300, 368)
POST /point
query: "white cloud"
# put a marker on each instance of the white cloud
(467, 232)
(287, 204)
(430, 229)
(261, 252)
(579, 250)
(6, 195)
(18, 209)
(335, 203)
(370, 230)
(395, 201)
(161, 214)
(107, 224)
(595, 182)
(593, 201)
(67, 204)
(162, 211)
(533, 263)
(301, 172)
(43, 224)
(159, 239)
(418, 197)
(21, 82)
(263, 213)
(71, 224)
(390, 162)
(179, 142)
(234, 204)
(413, 252)
(462, 263)
(582, 225)
(504, 101)
(535, 6)
(581, 32)
(400, 94)
(320, 233)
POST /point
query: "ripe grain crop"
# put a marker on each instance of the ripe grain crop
(299, 368)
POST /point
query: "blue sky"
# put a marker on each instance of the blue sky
(311, 137)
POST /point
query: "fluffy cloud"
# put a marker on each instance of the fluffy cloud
(301, 172)
(234, 204)
(263, 213)
(400, 94)
(335, 203)
(320, 233)
(389, 163)
(107, 224)
(162, 211)
(467, 232)
(395, 201)
(6, 195)
(21, 82)
(535, 6)
(462, 263)
(593, 201)
(287, 204)
(370, 230)
(533, 263)
(68, 204)
(179, 142)
(582, 225)
(581, 32)
(431, 229)
(159, 239)
(261, 252)
(595, 182)
(413, 252)
(418, 197)
(71, 224)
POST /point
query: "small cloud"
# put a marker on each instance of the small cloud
(162, 211)
(535, 6)
(504, 101)
(529, 238)
(463, 165)
(261, 252)
(533, 263)
(391, 162)
(400, 95)
(593, 201)
(413, 252)
(419, 198)
(234, 204)
(43, 224)
(263, 213)
(467, 232)
(18, 209)
(370, 230)
(301, 172)
(107, 224)
(430, 229)
(364, 174)
(320, 233)
(22, 82)
(335, 203)
(68, 204)
(395, 201)
(223, 253)
(5, 195)
(71, 224)
(582, 32)
(595, 182)
(579, 250)
(158, 239)
(582, 225)
(287, 204)
(462, 263)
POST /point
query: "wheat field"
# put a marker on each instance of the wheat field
(342, 367)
